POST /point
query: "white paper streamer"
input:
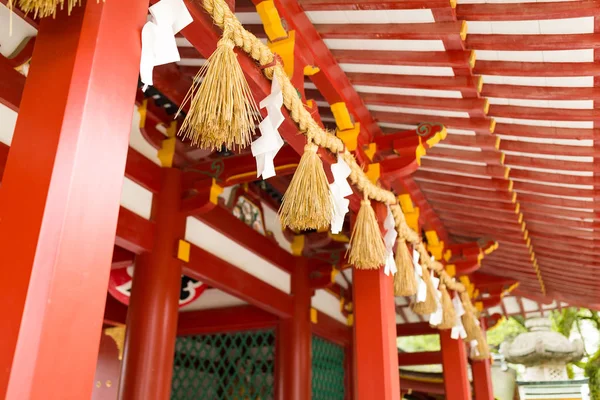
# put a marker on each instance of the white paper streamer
(340, 189)
(422, 286)
(474, 349)
(458, 330)
(159, 47)
(390, 240)
(437, 316)
(266, 147)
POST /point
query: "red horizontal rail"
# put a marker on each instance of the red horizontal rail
(481, 125)
(423, 31)
(527, 11)
(544, 131)
(219, 274)
(433, 103)
(457, 180)
(221, 320)
(544, 113)
(415, 329)
(488, 157)
(545, 163)
(516, 68)
(540, 92)
(551, 177)
(534, 42)
(533, 198)
(496, 171)
(458, 59)
(320, 5)
(440, 198)
(419, 358)
(414, 81)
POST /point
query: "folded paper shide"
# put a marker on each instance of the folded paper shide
(159, 47)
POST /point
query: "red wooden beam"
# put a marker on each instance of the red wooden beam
(221, 320)
(481, 125)
(459, 59)
(500, 210)
(475, 105)
(318, 5)
(122, 258)
(537, 176)
(332, 330)
(544, 131)
(3, 156)
(419, 358)
(517, 68)
(487, 157)
(533, 209)
(527, 11)
(415, 329)
(533, 198)
(457, 180)
(534, 42)
(115, 312)
(11, 85)
(545, 163)
(540, 92)
(461, 83)
(496, 171)
(423, 31)
(219, 274)
(544, 113)
(467, 192)
(541, 189)
(134, 233)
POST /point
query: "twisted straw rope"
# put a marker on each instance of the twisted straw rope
(226, 20)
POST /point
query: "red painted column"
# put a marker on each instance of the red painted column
(295, 341)
(154, 304)
(454, 364)
(375, 349)
(60, 196)
(482, 375)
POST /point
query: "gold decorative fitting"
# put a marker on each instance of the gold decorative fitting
(215, 192)
(349, 136)
(373, 172)
(342, 116)
(298, 245)
(271, 21)
(117, 333)
(183, 251)
(284, 48)
(311, 70)
(143, 111)
(371, 150)
(314, 316)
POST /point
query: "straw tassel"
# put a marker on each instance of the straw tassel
(430, 304)
(448, 311)
(405, 283)
(468, 319)
(222, 111)
(44, 8)
(307, 203)
(367, 249)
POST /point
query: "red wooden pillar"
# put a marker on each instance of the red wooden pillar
(154, 304)
(482, 375)
(60, 196)
(376, 352)
(295, 341)
(454, 364)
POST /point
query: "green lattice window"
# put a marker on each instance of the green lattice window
(231, 366)
(327, 370)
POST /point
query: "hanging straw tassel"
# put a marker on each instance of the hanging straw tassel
(405, 283)
(482, 346)
(430, 304)
(44, 8)
(468, 319)
(448, 311)
(222, 109)
(307, 203)
(367, 249)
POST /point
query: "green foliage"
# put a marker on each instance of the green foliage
(419, 343)
(506, 330)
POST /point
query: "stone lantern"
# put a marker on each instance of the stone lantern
(545, 355)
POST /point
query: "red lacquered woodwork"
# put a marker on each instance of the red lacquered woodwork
(375, 351)
(59, 208)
